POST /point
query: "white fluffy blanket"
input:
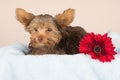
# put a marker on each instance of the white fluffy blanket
(14, 65)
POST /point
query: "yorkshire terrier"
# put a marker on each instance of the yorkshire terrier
(51, 35)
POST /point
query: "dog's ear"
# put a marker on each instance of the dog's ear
(65, 18)
(23, 16)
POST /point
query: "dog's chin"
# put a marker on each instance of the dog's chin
(41, 45)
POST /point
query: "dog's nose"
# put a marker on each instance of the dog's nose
(40, 39)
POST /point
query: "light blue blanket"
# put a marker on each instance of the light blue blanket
(14, 65)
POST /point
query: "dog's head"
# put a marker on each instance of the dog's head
(45, 30)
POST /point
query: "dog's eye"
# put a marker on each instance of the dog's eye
(35, 30)
(49, 29)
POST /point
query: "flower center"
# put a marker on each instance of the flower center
(97, 49)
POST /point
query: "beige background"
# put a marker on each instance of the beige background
(94, 15)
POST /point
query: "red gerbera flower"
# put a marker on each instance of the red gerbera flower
(98, 46)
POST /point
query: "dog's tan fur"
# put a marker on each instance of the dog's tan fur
(51, 35)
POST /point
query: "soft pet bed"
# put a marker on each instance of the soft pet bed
(15, 65)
